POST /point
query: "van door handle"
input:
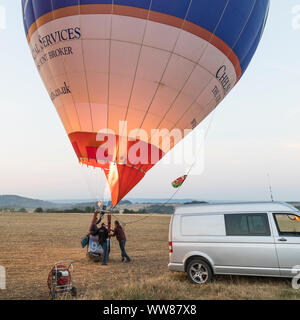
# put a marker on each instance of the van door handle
(282, 239)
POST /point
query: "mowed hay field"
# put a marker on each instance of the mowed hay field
(31, 243)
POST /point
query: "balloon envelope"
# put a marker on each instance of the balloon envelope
(156, 64)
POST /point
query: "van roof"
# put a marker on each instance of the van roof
(235, 207)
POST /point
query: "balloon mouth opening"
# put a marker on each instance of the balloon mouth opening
(124, 168)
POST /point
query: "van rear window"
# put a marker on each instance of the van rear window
(247, 224)
(203, 225)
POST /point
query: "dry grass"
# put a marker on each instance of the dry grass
(175, 286)
(31, 243)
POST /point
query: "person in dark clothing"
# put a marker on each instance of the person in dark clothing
(103, 236)
(93, 228)
(120, 235)
(100, 219)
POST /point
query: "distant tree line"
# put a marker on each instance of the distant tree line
(140, 211)
(155, 208)
(195, 202)
(13, 210)
(73, 210)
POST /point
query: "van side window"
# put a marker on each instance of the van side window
(287, 224)
(247, 224)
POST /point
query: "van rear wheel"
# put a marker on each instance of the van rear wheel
(199, 271)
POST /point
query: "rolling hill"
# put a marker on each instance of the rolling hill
(14, 201)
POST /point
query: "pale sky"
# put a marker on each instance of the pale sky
(254, 131)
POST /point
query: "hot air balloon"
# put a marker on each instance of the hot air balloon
(154, 65)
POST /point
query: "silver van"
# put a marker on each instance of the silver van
(254, 239)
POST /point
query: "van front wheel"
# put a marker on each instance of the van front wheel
(199, 271)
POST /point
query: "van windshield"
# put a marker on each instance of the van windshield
(288, 224)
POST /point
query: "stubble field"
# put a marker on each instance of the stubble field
(31, 243)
